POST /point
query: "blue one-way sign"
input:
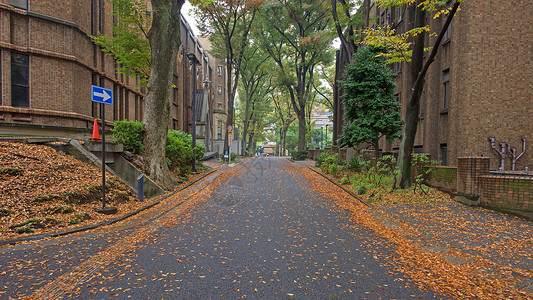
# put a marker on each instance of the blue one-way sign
(102, 95)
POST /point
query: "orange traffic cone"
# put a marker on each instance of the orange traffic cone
(96, 135)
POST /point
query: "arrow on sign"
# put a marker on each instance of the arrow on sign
(102, 95)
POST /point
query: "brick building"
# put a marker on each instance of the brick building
(48, 64)
(478, 86)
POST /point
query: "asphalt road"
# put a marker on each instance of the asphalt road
(253, 231)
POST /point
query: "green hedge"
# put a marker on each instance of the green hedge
(179, 150)
(299, 155)
(130, 134)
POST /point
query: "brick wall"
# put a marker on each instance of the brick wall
(444, 178)
(509, 194)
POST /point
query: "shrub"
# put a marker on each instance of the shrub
(355, 163)
(129, 133)
(299, 155)
(330, 165)
(345, 180)
(179, 150)
(319, 159)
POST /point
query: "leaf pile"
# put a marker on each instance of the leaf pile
(43, 190)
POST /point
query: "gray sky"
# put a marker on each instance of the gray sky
(186, 11)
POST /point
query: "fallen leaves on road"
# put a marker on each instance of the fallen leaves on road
(459, 273)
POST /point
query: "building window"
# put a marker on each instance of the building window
(418, 149)
(219, 70)
(219, 89)
(220, 106)
(448, 33)
(23, 4)
(397, 67)
(444, 154)
(399, 12)
(175, 124)
(446, 89)
(397, 97)
(20, 80)
(219, 130)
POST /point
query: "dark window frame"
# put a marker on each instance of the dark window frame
(444, 154)
(446, 90)
(219, 130)
(16, 86)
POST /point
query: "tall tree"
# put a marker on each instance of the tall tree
(403, 49)
(164, 37)
(346, 24)
(372, 112)
(255, 83)
(297, 35)
(147, 47)
(229, 24)
(282, 107)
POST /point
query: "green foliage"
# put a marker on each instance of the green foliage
(44, 198)
(128, 44)
(28, 222)
(299, 154)
(355, 163)
(233, 156)
(79, 218)
(130, 133)
(422, 166)
(361, 190)
(400, 44)
(319, 159)
(345, 180)
(371, 110)
(61, 210)
(331, 164)
(24, 230)
(179, 151)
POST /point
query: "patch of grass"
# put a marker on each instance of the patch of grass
(31, 221)
(11, 171)
(44, 198)
(61, 210)
(24, 230)
(79, 218)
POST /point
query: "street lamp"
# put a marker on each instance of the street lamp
(194, 61)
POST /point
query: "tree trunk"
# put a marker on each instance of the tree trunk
(418, 73)
(301, 130)
(164, 37)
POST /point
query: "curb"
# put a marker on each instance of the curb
(105, 223)
(344, 189)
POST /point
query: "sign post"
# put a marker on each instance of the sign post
(103, 96)
(230, 137)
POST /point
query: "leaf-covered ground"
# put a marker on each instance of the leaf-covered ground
(44, 190)
(464, 252)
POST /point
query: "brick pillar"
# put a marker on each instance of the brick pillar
(469, 171)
